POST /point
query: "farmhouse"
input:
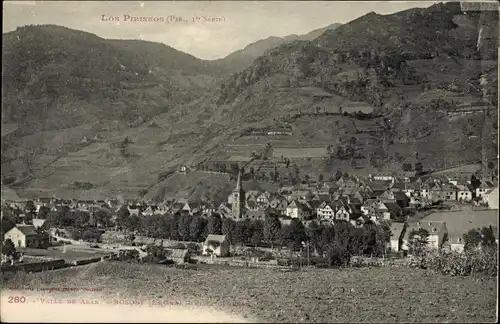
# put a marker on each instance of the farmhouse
(40, 223)
(460, 222)
(436, 230)
(179, 256)
(397, 233)
(217, 245)
(298, 210)
(484, 188)
(464, 192)
(492, 198)
(24, 236)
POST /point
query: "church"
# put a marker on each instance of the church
(238, 200)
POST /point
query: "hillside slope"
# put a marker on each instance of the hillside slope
(407, 79)
(241, 59)
(55, 77)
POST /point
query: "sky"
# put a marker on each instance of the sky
(236, 23)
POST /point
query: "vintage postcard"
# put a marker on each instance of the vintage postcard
(249, 161)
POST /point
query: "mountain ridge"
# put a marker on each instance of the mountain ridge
(241, 59)
(302, 85)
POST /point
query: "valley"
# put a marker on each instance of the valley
(174, 109)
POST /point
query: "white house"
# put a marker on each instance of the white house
(436, 230)
(217, 245)
(296, 209)
(343, 213)
(325, 211)
(383, 177)
(484, 188)
(492, 198)
(397, 232)
(463, 193)
(457, 243)
(27, 236)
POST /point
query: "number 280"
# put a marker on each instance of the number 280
(17, 299)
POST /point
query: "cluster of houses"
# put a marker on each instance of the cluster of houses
(348, 198)
(379, 197)
(376, 198)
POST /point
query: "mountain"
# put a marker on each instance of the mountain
(241, 59)
(49, 70)
(412, 67)
(64, 90)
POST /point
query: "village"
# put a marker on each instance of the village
(383, 210)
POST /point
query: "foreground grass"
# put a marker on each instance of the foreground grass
(319, 295)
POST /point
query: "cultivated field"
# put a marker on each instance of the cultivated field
(319, 295)
(71, 253)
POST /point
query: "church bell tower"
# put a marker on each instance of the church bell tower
(238, 201)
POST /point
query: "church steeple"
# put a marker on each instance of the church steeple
(238, 201)
(238, 182)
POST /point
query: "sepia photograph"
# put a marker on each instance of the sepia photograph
(249, 161)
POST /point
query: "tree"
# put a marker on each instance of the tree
(196, 228)
(272, 229)
(43, 212)
(228, 227)
(133, 223)
(488, 237)
(313, 232)
(184, 227)
(475, 182)
(165, 223)
(61, 217)
(214, 224)
(174, 227)
(91, 235)
(30, 207)
(257, 232)
(419, 167)
(102, 217)
(242, 232)
(8, 248)
(472, 239)
(122, 216)
(417, 241)
(298, 233)
(81, 218)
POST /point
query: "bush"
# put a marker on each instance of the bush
(267, 256)
(467, 263)
(193, 247)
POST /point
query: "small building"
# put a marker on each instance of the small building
(179, 256)
(436, 230)
(26, 236)
(217, 245)
(492, 198)
(397, 234)
(298, 210)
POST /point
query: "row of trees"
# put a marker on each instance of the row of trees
(371, 239)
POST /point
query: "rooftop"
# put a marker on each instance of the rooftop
(459, 222)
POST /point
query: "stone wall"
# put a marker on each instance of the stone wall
(35, 266)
